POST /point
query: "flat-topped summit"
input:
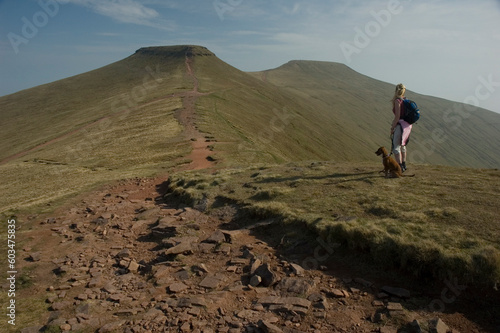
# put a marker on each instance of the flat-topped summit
(175, 51)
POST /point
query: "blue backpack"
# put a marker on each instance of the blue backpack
(411, 112)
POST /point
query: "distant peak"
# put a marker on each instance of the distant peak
(315, 62)
(175, 51)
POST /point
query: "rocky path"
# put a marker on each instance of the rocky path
(125, 259)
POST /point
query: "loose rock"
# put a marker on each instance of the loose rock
(437, 326)
(267, 275)
(177, 287)
(399, 292)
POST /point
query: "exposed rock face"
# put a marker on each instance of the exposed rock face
(180, 51)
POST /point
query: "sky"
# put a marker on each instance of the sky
(444, 48)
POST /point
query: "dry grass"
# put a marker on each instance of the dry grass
(29, 309)
(443, 219)
(111, 123)
(140, 144)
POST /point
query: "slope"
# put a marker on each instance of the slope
(125, 120)
(448, 133)
(46, 112)
(256, 121)
(115, 122)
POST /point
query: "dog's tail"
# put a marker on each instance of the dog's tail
(408, 175)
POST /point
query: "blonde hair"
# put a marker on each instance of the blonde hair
(399, 92)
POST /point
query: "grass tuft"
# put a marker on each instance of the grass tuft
(425, 231)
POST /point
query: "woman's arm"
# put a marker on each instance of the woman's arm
(397, 114)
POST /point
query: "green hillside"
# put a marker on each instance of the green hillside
(121, 121)
(111, 123)
(448, 133)
(286, 156)
(35, 116)
(255, 121)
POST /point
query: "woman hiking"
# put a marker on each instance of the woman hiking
(400, 129)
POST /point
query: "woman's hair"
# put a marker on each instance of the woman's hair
(399, 92)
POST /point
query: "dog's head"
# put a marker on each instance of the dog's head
(381, 151)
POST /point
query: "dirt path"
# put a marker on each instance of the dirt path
(201, 154)
(128, 258)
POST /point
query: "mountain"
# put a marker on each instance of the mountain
(448, 133)
(35, 116)
(128, 119)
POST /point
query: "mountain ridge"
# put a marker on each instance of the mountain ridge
(327, 92)
(440, 118)
(122, 120)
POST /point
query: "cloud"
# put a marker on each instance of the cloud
(127, 11)
(294, 10)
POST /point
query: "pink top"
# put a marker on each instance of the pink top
(404, 125)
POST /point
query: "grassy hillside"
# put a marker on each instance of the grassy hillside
(122, 121)
(35, 116)
(445, 220)
(254, 121)
(448, 133)
(257, 121)
(112, 123)
(119, 121)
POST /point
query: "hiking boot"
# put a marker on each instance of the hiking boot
(403, 166)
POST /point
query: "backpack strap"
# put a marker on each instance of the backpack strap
(401, 108)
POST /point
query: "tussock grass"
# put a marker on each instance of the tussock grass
(271, 194)
(428, 225)
(29, 310)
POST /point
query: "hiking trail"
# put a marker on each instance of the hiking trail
(186, 117)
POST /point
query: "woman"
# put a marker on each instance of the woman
(400, 129)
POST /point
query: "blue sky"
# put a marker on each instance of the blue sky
(444, 48)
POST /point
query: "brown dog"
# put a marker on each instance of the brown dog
(391, 167)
